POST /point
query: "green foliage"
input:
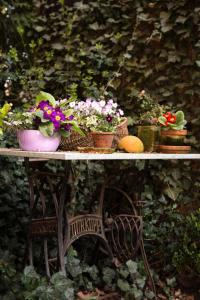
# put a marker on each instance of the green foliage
(187, 254)
(3, 113)
(45, 96)
(105, 47)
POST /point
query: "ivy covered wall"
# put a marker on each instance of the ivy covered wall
(150, 45)
(87, 47)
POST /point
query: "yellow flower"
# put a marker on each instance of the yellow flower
(57, 118)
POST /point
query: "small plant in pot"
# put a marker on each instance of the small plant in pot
(148, 129)
(40, 127)
(101, 118)
(173, 132)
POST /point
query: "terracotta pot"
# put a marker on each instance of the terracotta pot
(149, 136)
(102, 139)
(172, 137)
(173, 149)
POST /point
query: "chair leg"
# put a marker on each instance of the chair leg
(30, 251)
(147, 268)
(46, 257)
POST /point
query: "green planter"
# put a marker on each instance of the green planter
(149, 136)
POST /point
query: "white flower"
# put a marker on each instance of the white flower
(63, 101)
(121, 112)
(115, 105)
(88, 100)
(72, 104)
(102, 103)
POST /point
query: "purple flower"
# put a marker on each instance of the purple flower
(56, 125)
(70, 118)
(44, 105)
(68, 127)
(33, 109)
(57, 116)
(48, 113)
(109, 118)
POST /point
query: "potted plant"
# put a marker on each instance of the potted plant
(101, 118)
(148, 129)
(173, 132)
(40, 127)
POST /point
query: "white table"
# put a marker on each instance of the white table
(75, 155)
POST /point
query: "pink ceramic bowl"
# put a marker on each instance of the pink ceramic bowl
(33, 140)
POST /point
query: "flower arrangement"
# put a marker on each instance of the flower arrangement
(98, 115)
(47, 115)
(174, 121)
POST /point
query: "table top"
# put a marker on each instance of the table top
(74, 155)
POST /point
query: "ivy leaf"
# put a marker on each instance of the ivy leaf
(39, 28)
(108, 275)
(123, 285)
(198, 63)
(57, 46)
(69, 294)
(181, 19)
(149, 294)
(45, 96)
(132, 266)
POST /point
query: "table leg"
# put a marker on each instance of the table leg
(48, 193)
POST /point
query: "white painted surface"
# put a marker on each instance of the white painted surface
(72, 155)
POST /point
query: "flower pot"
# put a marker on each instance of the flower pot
(173, 141)
(33, 140)
(102, 139)
(149, 136)
(172, 137)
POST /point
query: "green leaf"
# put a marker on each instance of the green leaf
(5, 109)
(57, 46)
(64, 133)
(149, 294)
(76, 128)
(198, 63)
(123, 285)
(3, 112)
(108, 275)
(68, 112)
(39, 114)
(47, 129)
(45, 96)
(132, 266)
(162, 120)
(179, 117)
